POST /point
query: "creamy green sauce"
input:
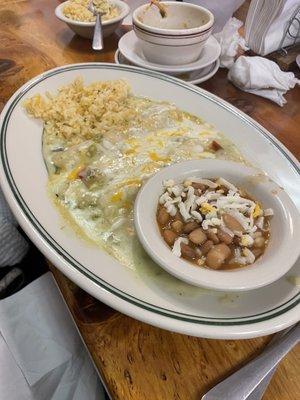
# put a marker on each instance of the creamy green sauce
(96, 181)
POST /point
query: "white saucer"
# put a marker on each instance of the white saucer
(131, 48)
(193, 77)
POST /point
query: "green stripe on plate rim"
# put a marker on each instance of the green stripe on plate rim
(272, 313)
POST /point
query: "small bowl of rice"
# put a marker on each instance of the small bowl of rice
(76, 15)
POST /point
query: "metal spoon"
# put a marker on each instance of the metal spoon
(98, 34)
(259, 391)
(243, 383)
(161, 7)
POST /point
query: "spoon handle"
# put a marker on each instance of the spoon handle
(242, 383)
(98, 38)
(260, 389)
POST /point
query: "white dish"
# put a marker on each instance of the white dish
(176, 39)
(152, 296)
(131, 48)
(284, 224)
(86, 29)
(194, 77)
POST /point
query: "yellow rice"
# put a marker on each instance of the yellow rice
(78, 112)
(78, 10)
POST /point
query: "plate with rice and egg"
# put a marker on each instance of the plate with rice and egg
(89, 136)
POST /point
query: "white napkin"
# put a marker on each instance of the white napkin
(263, 77)
(273, 36)
(266, 23)
(13, 246)
(41, 353)
(230, 41)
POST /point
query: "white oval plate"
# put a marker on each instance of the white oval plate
(150, 295)
(193, 77)
(131, 48)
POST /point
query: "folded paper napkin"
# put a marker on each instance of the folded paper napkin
(263, 77)
(231, 42)
(13, 246)
(267, 22)
(273, 36)
(41, 353)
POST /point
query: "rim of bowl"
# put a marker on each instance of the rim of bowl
(201, 35)
(125, 10)
(174, 32)
(242, 279)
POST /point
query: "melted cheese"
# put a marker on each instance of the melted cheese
(115, 166)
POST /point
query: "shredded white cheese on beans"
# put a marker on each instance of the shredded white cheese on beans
(212, 204)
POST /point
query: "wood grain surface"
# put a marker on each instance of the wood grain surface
(137, 361)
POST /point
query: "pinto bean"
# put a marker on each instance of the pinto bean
(232, 223)
(257, 252)
(199, 186)
(206, 246)
(187, 251)
(177, 226)
(224, 237)
(259, 242)
(213, 236)
(178, 216)
(257, 234)
(217, 255)
(236, 240)
(197, 236)
(190, 226)
(163, 216)
(169, 236)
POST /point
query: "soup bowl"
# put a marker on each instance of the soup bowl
(177, 38)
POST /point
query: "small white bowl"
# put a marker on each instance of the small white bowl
(86, 29)
(131, 47)
(176, 39)
(283, 248)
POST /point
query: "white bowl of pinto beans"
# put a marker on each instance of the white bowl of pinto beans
(218, 224)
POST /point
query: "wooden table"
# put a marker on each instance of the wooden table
(138, 361)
